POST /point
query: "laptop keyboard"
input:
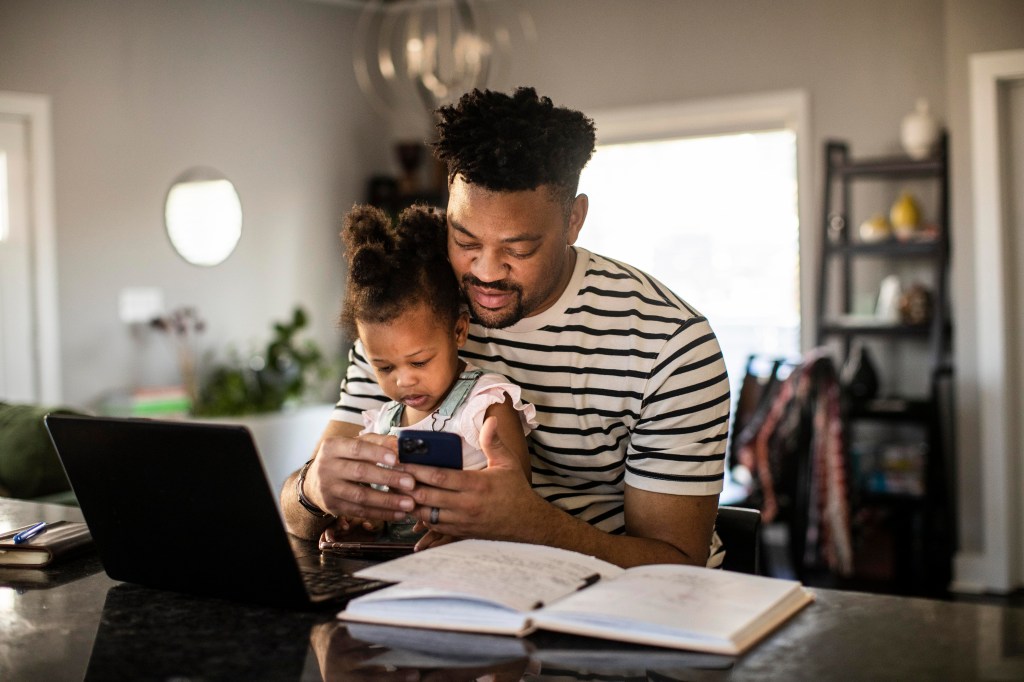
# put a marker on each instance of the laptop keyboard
(339, 583)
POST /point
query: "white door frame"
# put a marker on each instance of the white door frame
(998, 565)
(34, 111)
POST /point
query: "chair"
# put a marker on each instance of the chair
(740, 532)
(29, 466)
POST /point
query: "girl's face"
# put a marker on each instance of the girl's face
(415, 358)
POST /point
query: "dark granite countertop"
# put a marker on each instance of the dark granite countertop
(73, 623)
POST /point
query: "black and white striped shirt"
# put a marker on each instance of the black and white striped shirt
(629, 384)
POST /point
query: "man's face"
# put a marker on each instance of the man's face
(510, 250)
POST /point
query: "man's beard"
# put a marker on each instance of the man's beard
(493, 319)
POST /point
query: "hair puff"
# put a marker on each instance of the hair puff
(392, 267)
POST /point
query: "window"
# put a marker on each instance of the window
(715, 217)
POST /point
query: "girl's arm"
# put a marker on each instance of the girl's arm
(510, 431)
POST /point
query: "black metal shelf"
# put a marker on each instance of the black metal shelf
(871, 497)
(892, 167)
(838, 328)
(892, 409)
(890, 248)
(925, 561)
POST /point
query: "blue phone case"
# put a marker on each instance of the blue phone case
(434, 448)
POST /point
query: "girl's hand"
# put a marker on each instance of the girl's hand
(432, 539)
(345, 525)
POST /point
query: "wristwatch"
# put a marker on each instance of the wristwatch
(303, 500)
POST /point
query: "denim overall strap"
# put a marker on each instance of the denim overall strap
(390, 418)
(460, 391)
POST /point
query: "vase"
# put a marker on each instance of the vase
(859, 377)
(905, 216)
(919, 131)
(875, 229)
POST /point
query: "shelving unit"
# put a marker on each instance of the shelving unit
(902, 521)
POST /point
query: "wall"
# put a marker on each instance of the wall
(259, 89)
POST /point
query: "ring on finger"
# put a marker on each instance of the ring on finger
(434, 513)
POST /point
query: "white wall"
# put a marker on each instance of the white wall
(142, 89)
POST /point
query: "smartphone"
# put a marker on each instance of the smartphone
(384, 548)
(435, 448)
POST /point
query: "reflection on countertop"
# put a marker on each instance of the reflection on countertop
(79, 624)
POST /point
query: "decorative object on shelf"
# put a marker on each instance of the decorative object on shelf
(410, 155)
(836, 228)
(915, 305)
(426, 52)
(183, 325)
(905, 216)
(887, 309)
(859, 378)
(875, 229)
(919, 131)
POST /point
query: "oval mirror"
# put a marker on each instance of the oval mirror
(203, 216)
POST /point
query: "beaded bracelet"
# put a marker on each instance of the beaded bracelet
(303, 500)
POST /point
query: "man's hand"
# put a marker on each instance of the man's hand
(339, 478)
(496, 503)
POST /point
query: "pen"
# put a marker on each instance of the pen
(30, 532)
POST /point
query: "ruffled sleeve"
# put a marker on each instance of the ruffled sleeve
(488, 390)
(370, 420)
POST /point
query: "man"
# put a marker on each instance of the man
(629, 383)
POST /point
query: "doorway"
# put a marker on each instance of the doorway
(997, 139)
(29, 345)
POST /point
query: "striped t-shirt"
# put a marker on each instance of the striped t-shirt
(629, 384)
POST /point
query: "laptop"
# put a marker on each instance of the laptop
(186, 506)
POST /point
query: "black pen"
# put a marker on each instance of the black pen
(588, 581)
(30, 532)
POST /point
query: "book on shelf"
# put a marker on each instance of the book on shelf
(508, 588)
(60, 540)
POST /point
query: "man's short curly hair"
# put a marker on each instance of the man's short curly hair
(514, 142)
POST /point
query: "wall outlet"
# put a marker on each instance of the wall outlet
(139, 305)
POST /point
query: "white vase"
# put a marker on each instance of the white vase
(919, 131)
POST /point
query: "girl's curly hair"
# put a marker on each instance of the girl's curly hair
(514, 142)
(392, 267)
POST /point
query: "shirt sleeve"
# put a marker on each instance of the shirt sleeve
(359, 390)
(678, 444)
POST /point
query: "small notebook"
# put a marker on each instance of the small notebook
(60, 540)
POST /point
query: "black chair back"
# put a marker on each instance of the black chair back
(740, 532)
